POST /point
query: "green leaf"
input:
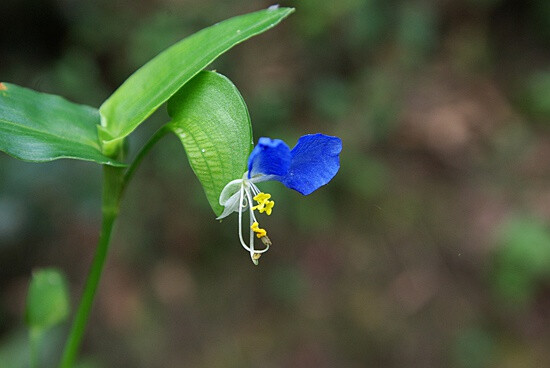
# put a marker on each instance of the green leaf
(211, 119)
(47, 300)
(41, 127)
(154, 83)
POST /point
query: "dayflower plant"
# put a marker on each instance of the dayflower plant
(208, 115)
(312, 163)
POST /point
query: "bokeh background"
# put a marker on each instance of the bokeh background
(430, 248)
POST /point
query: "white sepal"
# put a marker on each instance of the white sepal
(229, 190)
(231, 205)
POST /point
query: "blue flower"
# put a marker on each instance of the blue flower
(312, 163)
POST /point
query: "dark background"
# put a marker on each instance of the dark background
(430, 248)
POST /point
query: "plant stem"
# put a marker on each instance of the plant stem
(35, 338)
(115, 181)
(141, 154)
(112, 185)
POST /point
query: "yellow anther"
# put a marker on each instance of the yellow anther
(264, 204)
(256, 256)
(260, 233)
(267, 207)
(262, 197)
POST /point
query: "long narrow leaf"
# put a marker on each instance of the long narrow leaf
(40, 127)
(154, 83)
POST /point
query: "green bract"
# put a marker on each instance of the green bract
(155, 82)
(211, 119)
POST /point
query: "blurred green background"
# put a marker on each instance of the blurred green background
(430, 248)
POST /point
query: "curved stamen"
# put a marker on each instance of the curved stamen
(255, 189)
(252, 221)
(253, 255)
(245, 246)
(245, 200)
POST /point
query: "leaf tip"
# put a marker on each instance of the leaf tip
(290, 10)
(278, 7)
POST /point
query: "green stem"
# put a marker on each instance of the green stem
(112, 185)
(115, 181)
(141, 154)
(35, 338)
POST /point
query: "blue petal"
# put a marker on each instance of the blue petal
(315, 161)
(269, 157)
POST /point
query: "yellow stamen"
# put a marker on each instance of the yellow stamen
(256, 256)
(267, 208)
(260, 233)
(264, 204)
(261, 197)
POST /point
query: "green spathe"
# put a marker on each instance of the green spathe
(211, 119)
